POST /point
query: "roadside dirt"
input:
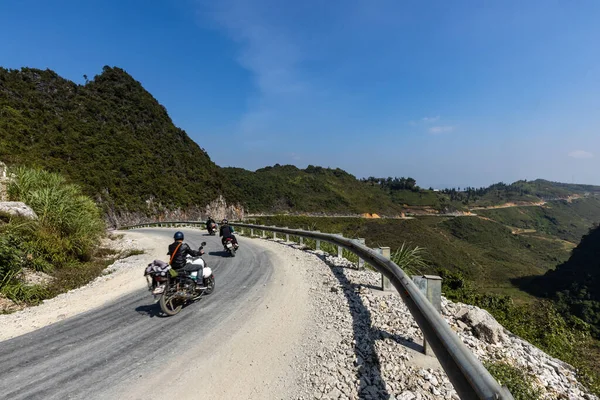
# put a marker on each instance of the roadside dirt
(510, 205)
(123, 277)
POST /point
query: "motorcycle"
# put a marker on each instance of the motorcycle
(178, 288)
(230, 246)
(212, 229)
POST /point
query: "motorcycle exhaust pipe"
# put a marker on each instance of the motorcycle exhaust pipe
(184, 295)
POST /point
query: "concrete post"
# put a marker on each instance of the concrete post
(431, 287)
(340, 248)
(317, 243)
(386, 286)
(264, 234)
(361, 262)
(301, 240)
(251, 232)
(287, 235)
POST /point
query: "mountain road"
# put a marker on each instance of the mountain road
(226, 345)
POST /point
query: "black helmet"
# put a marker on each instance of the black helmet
(178, 235)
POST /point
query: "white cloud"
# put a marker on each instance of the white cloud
(424, 121)
(273, 53)
(580, 154)
(441, 129)
(430, 120)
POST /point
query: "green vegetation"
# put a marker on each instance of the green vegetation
(561, 219)
(484, 251)
(519, 384)
(110, 136)
(575, 284)
(314, 189)
(61, 241)
(410, 260)
(520, 191)
(540, 322)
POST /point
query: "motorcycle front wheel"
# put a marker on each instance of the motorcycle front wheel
(210, 285)
(168, 302)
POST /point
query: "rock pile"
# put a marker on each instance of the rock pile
(367, 345)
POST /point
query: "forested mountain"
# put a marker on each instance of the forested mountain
(314, 189)
(109, 135)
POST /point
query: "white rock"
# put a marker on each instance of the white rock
(18, 209)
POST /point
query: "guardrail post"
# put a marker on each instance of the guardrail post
(301, 240)
(251, 232)
(340, 248)
(264, 234)
(386, 286)
(287, 235)
(361, 262)
(431, 287)
(317, 243)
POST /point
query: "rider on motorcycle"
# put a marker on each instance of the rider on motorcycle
(178, 250)
(209, 223)
(226, 232)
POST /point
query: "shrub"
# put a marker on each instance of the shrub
(520, 385)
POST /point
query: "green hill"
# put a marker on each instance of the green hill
(575, 284)
(314, 189)
(109, 135)
(519, 192)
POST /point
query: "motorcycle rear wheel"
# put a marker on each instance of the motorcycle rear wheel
(168, 303)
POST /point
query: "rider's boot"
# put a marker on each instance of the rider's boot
(200, 284)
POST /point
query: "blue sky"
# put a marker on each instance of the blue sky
(448, 92)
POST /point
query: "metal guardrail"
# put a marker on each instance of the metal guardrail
(467, 374)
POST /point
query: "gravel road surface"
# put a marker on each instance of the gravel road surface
(126, 350)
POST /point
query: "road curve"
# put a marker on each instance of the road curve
(102, 352)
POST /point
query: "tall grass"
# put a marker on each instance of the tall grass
(410, 260)
(64, 234)
(68, 221)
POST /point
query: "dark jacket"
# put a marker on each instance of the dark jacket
(226, 231)
(179, 260)
(209, 222)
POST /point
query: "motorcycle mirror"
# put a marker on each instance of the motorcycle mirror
(203, 244)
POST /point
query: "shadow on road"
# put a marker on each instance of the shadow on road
(221, 253)
(151, 310)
